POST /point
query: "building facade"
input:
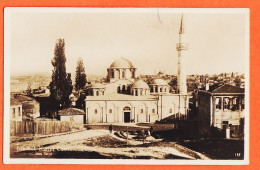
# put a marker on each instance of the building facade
(126, 98)
(16, 110)
(222, 107)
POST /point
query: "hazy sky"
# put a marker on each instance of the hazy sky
(148, 39)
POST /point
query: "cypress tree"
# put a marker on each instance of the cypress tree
(80, 79)
(61, 84)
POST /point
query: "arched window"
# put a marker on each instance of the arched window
(128, 89)
(103, 93)
(97, 93)
(113, 74)
(118, 89)
(156, 89)
(133, 74)
(161, 90)
(96, 111)
(165, 89)
(170, 111)
(123, 74)
(153, 111)
(141, 92)
(142, 111)
(123, 89)
(151, 89)
(110, 110)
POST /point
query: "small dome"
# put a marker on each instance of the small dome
(97, 86)
(159, 82)
(122, 63)
(140, 84)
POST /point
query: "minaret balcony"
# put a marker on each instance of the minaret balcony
(181, 46)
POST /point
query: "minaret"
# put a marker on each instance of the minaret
(182, 48)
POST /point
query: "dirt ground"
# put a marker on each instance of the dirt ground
(100, 144)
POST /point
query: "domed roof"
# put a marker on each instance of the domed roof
(122, 63)
(97, 86)
(140, 84)
(159, 82)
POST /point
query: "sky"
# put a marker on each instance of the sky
(147, 37)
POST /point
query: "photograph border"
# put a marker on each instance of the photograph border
(253, 66)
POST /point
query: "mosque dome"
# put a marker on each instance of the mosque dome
(122, 63)
(140, 84)
(159, 82)
(97, 86)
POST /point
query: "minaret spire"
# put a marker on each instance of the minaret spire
(182, 47)
(181, 26)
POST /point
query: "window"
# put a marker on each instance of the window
(218, 103)
(103, 93)
(151, 88)
(142, 110)
(19, 111)
(123, 74)
(96, 111)
(136, 92)
(170, 111)
(141, 92)
(113, 74)
(156, 90)
(243, 104)
(97, 93)
(128, 89)
(13, 113)
(161, 90)
(110, 110)
(165, 89)
(224, 124)
(226, 103)
(133, 74)
(234, 104)
(118, 89)
(123, 89)
(153, 111)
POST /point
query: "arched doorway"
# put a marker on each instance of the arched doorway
(127, 114)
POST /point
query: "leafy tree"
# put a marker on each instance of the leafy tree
(61, 84)
(237, 81)
(80, 79)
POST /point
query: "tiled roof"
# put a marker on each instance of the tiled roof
(22, 98)
(71, 111)
(228, 89)
(14, 102)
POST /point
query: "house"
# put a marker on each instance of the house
(30, 107)
(74, 115)
(222, 108)
(15, 110)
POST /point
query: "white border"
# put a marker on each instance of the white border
(6, 138)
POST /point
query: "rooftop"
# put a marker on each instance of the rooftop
(226, 88)
(122, 63)
(71, 111)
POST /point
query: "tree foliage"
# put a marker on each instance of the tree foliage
(61, 84)
(80, 79)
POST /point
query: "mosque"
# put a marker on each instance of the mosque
(124, 98)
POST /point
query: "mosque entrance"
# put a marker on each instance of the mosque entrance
(126, 117)
(127, 113)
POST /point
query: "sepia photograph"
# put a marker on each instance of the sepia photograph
(126, 86)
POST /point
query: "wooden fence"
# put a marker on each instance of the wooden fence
(39, 127)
